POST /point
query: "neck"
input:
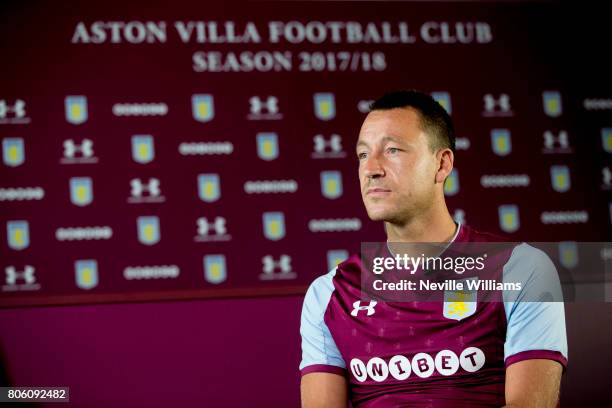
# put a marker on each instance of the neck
(436, 226)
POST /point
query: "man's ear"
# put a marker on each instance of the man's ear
(445, 159)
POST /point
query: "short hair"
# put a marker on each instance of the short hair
(434, 120)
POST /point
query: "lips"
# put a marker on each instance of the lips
(377, 191)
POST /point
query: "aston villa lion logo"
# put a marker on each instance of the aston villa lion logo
(325, 105)
(336, 256)
(274, 225)
(86, 273)
(459, 304)
(568, 254)
(501, 142)
(215, 270)
(13, 154)
(451, 184)
(143, 150)
(331, 184)
(18, 234)
(606, 139)
(203, 107)
(76, 109)
(148, 230)
(81, 191)
(509, 217)
(443, 98)
(560, 178)
(209, 187)
(552, 103)
(267, 146)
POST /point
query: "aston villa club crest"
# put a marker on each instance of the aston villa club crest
(459, 216)
(459, 304)
(18, 234)
(568, 254)
(274, 225)
(324, 105)
(215, 270)
(209, 187)
(451, 184)
(76, 109)
(81, 191)
(443, 98)
(267, 146)
(143, 149)
(606, 139)
(203, 107)
(509, 217)
(552, 103)
(148, 230)
(560, 178)
(86, 273)
(13, 152)
(331, 184)
(335, 256)
(501, 142)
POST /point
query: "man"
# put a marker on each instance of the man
(389, 354)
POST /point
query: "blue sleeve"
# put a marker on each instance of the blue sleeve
(319, 351)
(536, 315)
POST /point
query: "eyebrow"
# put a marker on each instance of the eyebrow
(384, 140)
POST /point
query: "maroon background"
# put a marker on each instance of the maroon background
(45, 67)
(244, 352)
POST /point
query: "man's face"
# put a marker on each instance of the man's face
(397, 168)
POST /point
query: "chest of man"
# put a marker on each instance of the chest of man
(409, 350)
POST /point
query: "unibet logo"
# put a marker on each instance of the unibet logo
(399, 367)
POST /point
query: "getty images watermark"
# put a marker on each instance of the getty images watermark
(487, 271)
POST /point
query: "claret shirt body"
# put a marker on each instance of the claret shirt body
(421, 354)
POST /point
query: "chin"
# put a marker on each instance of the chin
(378, 214)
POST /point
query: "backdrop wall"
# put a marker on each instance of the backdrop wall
(171, 152)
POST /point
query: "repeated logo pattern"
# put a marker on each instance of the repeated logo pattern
(227, 206)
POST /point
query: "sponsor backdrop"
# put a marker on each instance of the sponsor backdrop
(194, 152)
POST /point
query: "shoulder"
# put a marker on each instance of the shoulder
(529, 260)
(536, 272)
(521, 254)
(321, 288)
(345, 275)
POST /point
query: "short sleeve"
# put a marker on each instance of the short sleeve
(536, 315)
(319, 351)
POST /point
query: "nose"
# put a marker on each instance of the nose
(373, 167)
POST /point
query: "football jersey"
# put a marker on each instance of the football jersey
(415, 354)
